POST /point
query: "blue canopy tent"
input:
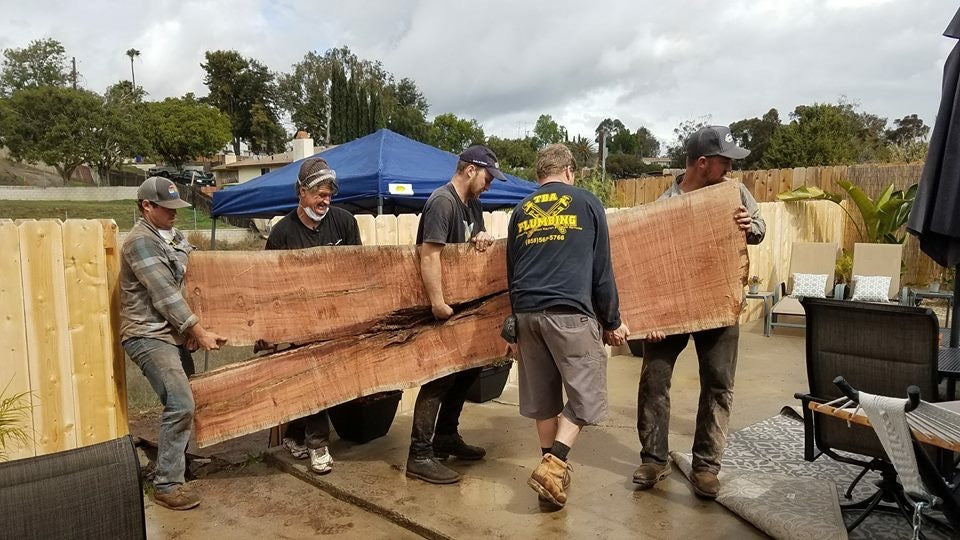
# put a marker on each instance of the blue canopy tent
(383, 172)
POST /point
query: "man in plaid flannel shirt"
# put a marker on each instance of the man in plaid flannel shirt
(159, 330)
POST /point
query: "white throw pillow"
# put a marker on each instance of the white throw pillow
(871, 288)
(809, 285)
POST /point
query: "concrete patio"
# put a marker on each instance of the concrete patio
(368, 496)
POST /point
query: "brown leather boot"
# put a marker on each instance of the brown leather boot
(179, 499)
(550, 479)
(647, 475)
(706, 484)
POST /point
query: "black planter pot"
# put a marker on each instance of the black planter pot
(366, 418)
(490, 383)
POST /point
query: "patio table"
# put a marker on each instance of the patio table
(948, 366)
(767, 298)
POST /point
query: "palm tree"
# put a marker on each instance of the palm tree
(133, 53)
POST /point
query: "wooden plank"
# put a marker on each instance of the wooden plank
(15, 366)
(88, 309)
(680, 266)
(368, 229)
(111, 256)
(48, 342)
(407, 229)
(786, 180)
(387, 230)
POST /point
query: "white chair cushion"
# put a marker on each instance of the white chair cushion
(871, 288)
(810, 285)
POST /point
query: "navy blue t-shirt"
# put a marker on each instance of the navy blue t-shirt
(558, 254)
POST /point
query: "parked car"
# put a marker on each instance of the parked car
(191, 178)
(165, 171)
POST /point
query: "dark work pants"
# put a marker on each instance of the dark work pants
(438, 408)
(717, 355)
(313, 430)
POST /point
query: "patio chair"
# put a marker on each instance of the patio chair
(879, 348)
(88, 492)
(817, 258)
(897, 422)
(873, 265)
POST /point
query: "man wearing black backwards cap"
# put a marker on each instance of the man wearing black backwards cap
(314, 223)
(158, 330)
(452, 215)
(710, 153)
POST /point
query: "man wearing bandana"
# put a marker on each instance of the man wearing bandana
(314, 223)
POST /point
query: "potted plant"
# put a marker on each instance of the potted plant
(490, 383)
(754, 282)
(365, 418)
(934, 285)
(844, 272)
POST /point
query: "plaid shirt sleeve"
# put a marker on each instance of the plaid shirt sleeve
(155, 271)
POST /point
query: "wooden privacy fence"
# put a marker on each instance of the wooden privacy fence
(58, 329)
(765, 185)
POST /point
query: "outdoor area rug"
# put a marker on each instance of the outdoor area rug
(765, 481)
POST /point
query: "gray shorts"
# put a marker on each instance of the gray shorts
(561, 351)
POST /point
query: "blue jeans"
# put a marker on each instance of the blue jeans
(166, 366)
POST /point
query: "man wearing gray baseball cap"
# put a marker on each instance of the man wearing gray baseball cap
(710, 154)
(159, 330)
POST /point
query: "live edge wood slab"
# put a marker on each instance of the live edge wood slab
(363, 321)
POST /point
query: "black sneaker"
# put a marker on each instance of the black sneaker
(431, 470)
(445, 446)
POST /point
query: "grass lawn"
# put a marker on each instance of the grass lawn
(123, 212)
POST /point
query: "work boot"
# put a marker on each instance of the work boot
(180, 498)
(648, 474)
(565, 483)
(431, 470)
(297, 450)
(550, 479)
(706, 484)
(321, 462)
(445, 446)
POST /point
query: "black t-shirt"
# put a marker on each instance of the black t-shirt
(337, 228)
(558, 254)
(446, 220)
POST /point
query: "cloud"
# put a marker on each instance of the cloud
(506, 62)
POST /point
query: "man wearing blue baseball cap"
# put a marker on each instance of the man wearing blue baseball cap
(452, 215)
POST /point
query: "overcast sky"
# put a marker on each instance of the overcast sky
(648, 62)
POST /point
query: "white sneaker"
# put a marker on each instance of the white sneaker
(297, 450)
(321, 462)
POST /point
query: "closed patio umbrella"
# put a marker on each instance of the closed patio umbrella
(935, 218)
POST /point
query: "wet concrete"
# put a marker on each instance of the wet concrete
(493, 499)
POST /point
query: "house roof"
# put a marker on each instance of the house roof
(263, 161)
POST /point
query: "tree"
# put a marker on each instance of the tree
(118, 130)
(647, 143)
(41, 63)
(755, 134)
(516, 156)
(408, 114)
(133, 53)
(827, 134)
(583, 150)
(611, 126)
(237, 84)
(547, 131)
(908, 129)
(180, 129)
(51, 125)
(266, 134)
(677, 152)
(305, 94)
(453, 134)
